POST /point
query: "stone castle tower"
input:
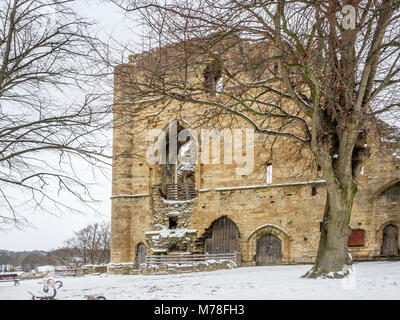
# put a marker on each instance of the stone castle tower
(270, 216)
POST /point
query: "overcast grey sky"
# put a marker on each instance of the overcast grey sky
(49, 232)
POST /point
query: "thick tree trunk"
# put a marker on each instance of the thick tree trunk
(340, 159)
(333, 259)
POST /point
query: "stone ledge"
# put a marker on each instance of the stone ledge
(90, 269)
(206, 266)
(162, 269)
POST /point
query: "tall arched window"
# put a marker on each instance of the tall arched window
(212, 77)
(178, 169)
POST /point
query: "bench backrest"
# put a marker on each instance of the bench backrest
(11, 275)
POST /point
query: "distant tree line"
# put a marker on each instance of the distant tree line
(90, 245)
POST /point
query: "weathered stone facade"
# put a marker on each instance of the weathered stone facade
(290, 208)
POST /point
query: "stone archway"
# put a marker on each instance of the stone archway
(223, 237)
(269, 250)
(387, 235)
(391, 187)
(140, 253)
(390, 239)
(271, 243)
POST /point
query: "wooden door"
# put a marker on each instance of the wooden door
(269, 250)
(390, 246)
(224, 237)
(141, 254)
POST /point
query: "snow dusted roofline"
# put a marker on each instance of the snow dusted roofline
(260, 186)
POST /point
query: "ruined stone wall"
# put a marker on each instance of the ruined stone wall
(290, 212)
(286, 208)
(373, 210)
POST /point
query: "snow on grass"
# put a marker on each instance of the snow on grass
(368, 280)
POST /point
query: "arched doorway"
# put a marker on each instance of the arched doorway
(257, 243)
(391, 193)
(269, 250)
(141, 254)
(224, 237)
(390, 246)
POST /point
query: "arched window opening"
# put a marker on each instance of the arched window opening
(220, 85)
(178, 167)
(276, 69)
(313, 190)
(173, 222)
(392, 193)
(212, 78)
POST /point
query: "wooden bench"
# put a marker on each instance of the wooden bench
(65, 272)
(10, 277)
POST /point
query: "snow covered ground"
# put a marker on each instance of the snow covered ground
(370, 280)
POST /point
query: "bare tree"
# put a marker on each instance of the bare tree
(298, 70)
(91, 245)
(65, 257)
(51, 109)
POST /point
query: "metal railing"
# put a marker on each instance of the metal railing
(181, 191)
(192, 258)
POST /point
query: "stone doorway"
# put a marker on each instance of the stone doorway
(141, 254)
(269, 250)
(224, 237)
(390, 246)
